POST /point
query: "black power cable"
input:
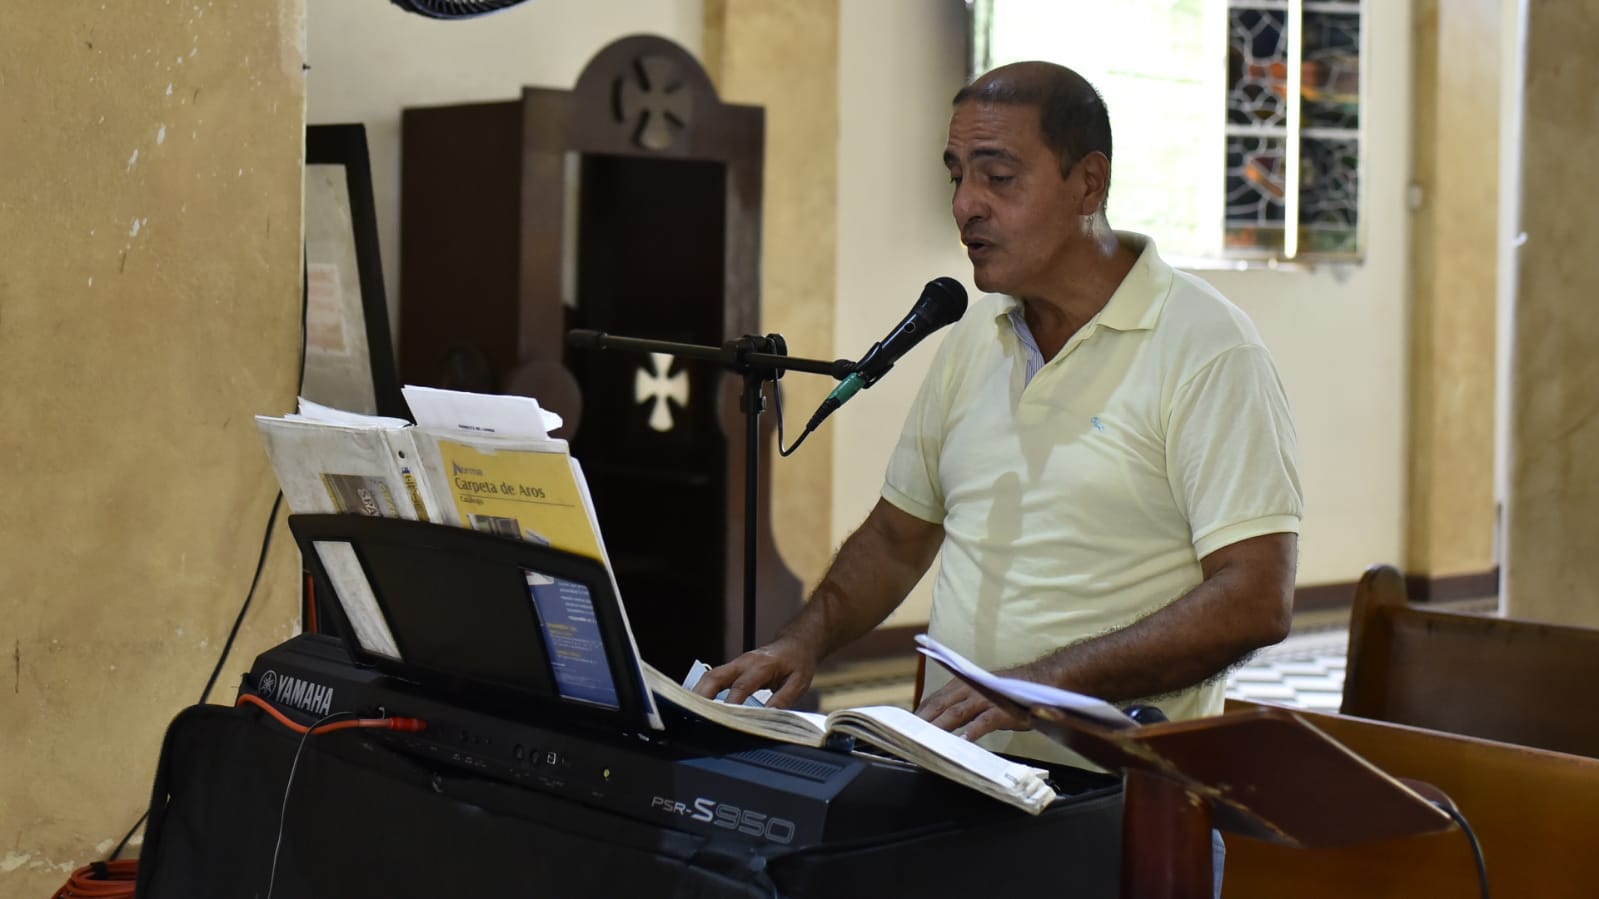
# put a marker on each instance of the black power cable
(777, 407)
(255, 581)
(1476, 847)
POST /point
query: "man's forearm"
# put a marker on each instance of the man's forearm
(1233, 612)
(1167, 651)
(874, 569)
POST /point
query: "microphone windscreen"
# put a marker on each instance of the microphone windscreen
(944, 300)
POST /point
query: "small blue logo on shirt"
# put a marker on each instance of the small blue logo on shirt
(1098, 425)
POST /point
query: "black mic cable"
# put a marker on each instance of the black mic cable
(942, 302)
(840, 395)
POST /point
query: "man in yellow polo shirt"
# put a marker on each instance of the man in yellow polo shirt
(1102, 451)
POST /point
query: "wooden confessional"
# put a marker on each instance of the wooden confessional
(630, 204)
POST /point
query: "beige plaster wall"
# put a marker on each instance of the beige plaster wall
(1455, 238)
(149, 305)
(1551, 566)
(784, 57)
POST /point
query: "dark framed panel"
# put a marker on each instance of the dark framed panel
(349, 354)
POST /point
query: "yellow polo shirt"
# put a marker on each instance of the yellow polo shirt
(1081, 501)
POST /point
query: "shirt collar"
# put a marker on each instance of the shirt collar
(1138, 300)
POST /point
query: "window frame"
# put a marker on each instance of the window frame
(1289, 254)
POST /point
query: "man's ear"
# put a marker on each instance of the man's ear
(1095, 169)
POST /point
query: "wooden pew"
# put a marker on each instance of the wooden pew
(1535, 812)
(1503, 679)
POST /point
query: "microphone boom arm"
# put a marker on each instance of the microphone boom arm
(758, 359)
(735, 355)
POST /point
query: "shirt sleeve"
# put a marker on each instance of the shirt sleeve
(912, 483)
(1231, 450)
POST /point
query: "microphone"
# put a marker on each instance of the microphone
(943, 301)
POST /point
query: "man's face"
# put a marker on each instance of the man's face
(1017, 214)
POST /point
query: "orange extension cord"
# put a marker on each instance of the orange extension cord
(115, 880)
(409, 725)
(101, 880)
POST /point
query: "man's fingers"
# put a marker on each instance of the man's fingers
(956, 705)
(985, 723)
(956, 711)
(753, 677)
(995, 718)
(934, 705)
(791, 691)
(715, 680)
(957, 715)
(774, 666)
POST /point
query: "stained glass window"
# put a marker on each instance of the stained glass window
(1257, 68)
(1293, 161)
(1275, 132)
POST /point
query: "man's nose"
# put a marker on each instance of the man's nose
(967, 205)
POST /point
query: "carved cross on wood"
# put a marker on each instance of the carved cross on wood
(653, 98)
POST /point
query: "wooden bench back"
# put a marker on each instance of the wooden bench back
(1534, 811)
(1510, 680)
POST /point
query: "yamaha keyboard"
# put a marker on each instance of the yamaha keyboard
(693, 777)
(520, 660)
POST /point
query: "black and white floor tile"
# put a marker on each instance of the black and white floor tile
(1305, 671)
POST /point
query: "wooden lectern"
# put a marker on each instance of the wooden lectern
(1264, 773)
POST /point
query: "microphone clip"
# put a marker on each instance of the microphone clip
(742, 348)
(868, 372)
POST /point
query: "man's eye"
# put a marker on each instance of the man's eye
(954, 179)
(1000, 179)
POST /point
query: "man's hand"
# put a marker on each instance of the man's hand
(786, 666)
(956, 704)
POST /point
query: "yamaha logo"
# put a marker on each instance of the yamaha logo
(293, 691)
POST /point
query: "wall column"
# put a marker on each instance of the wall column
(1451, 507)
(1552, 563)
(149, 307)
(784, 57)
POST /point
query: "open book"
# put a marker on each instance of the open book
(894, 730)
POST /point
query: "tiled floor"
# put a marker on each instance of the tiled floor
(1304, 671)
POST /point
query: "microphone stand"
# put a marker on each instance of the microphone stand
(757, 359)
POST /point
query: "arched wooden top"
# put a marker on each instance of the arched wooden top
(655, 93)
